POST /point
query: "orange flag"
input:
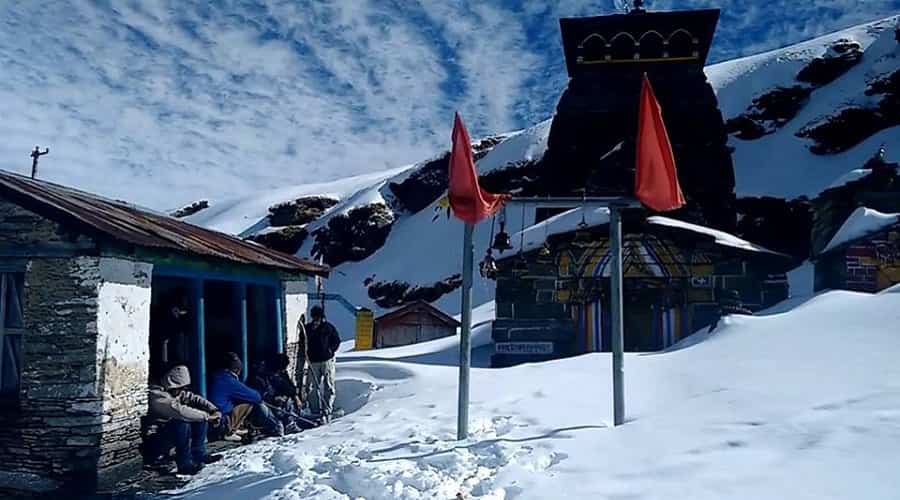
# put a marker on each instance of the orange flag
(468, 201)
(656, 179)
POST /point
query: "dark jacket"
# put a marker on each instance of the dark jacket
(226, 390)
(322, 342)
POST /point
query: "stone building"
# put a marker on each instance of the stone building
(863, 256)
(413, 323)
(592, 138)
(553, 299)
(96, 296)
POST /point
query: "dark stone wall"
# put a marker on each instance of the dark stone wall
(599, 111)
(56, 429)
(75, 424)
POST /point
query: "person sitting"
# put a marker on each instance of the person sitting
(237, 401)
(180, 418)
(282, 393)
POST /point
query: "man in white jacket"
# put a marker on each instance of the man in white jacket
(182, 418)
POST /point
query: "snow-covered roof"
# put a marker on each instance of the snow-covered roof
(721, 237)
(853, 175)
(861, 223)
(535, 236)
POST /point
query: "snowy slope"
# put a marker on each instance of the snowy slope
(420, 251)
(802, 405)
(781, 164)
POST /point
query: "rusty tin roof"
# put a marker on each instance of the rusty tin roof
(140, 227)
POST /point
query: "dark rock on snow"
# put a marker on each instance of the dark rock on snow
(353, 236)
(391, 294)
(429, 182)
(288, 239)
(769, 112)
(191, 209)
(300, 211)
(841, 56)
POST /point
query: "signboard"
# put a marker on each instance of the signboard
(524, 347)
(701, 281)
(365, 324)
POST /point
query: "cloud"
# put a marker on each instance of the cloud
(166, 101)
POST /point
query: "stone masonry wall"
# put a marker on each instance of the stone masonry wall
(84, 372)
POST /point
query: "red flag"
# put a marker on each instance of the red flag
(656, 180)
(468, 201)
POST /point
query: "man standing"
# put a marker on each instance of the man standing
(237, 401)
(181, 418)
(322, 343)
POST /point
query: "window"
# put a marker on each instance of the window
(11, 328)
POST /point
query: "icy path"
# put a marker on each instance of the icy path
(804, 404)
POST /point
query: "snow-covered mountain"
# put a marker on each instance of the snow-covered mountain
(421, 247)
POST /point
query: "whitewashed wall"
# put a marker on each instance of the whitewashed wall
(296, 301)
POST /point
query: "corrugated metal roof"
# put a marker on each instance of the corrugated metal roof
(419, 305)
(129, 224)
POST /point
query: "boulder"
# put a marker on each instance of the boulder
(391, 294)
(841, 56)
(353, 236)
(300, 211)
(287, 239)
(769, 112)
(429, 182)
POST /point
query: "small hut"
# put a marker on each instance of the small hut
(864, 254)
(411, 324)
(99, 296)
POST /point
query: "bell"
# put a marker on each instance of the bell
(488, 266)
(501, 241)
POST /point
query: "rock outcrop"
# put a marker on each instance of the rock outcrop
(391, 294)
(353, 236)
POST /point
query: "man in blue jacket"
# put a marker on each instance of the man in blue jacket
(237, 401)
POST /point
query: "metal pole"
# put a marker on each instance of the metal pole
(465, 348)
(241, 298)
(200, 324)
(618, 372)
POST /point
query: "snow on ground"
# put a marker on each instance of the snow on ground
(780, 164)
(862, 222)
(802, 404)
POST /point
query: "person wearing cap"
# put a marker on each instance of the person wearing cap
(182, 418)
(237, 400)
(322, 343)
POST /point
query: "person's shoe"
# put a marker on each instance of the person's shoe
(292, 428)
(212, 458)
(234, 438)
(161, 466)
(190, 470)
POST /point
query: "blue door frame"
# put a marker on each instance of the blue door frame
(197, 280)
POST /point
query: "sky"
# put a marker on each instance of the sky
(163, 102)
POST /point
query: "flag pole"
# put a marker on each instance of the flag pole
(618, 334)
(465, 348)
